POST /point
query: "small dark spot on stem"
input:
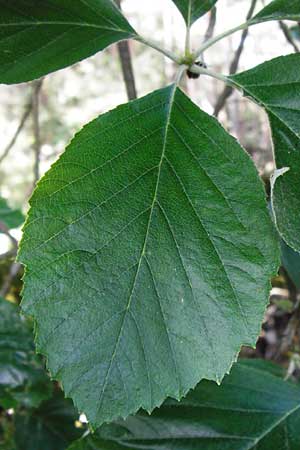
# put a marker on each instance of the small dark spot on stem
(196, 75)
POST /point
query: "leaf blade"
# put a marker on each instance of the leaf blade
(37, 40)
(130, 227)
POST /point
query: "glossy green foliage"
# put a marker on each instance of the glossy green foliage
(148, 251)
(252, 409)
(291, 262)
(22, 377)
(275, 85)
(38, 37)
(11, 218)
(278, 10)
(49, 427)
(192, 10)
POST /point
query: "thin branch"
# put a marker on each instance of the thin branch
(288, 35)
(210, 29)
(234, 63)
(127, 69)
(15, 267)
(36, 128)
(20, 127)
(211, 26)
(126, 64)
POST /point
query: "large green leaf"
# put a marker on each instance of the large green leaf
(12, 218)
(193, 9)
(22, 377)
(275, 86)
(38, 37)
(148, 251)
(278, 10)
(252, 409)
(50, 427)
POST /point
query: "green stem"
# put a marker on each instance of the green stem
(221, 36)
(188, 31)
(156, 46)
(187, 41)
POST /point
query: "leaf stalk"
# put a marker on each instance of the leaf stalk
(156, 46)
(219, 37)
(218, 76)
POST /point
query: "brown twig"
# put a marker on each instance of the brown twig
(227, 91)
(288, 35)
(13, 272)
(15, 267)
(36, 128)
(21, 125)
(211, 24)
(127, 68)
(210, 28)
(33, 108)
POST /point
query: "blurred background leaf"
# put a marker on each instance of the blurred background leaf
(12, 218)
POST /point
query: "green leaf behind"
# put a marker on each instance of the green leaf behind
(278, 10)
(12, 218)
(37, 38)
(275, 85)
(252, 409)
(295, 32)
(22, 377)
(291, 262)
(49, 427)
(148, 251)
(192, 10)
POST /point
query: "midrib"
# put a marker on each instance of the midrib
(272, 427)
(168, 120)
(57, 22)
(189, 14)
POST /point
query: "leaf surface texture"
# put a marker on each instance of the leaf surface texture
(148, 251)
(39, 37)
